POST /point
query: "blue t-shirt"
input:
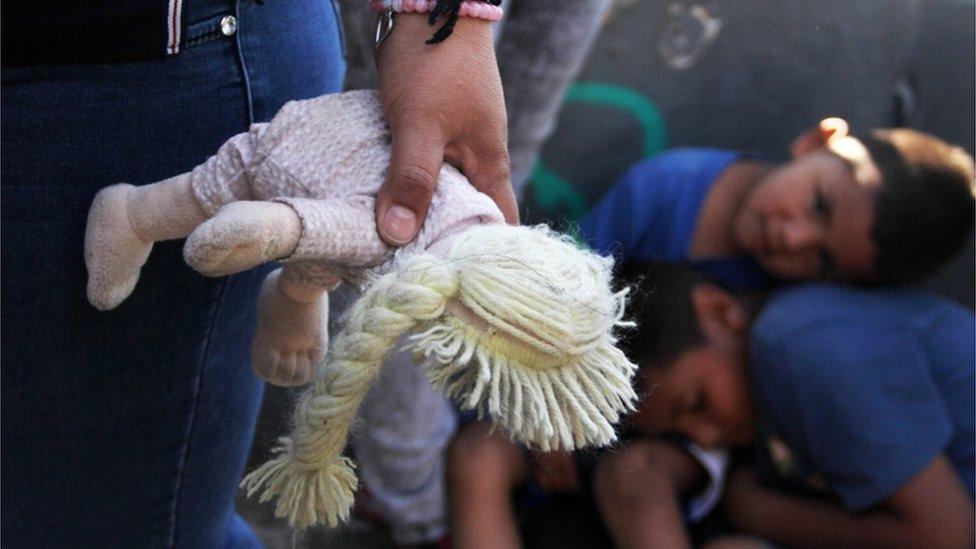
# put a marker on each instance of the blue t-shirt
(857, 391)
(650, 214)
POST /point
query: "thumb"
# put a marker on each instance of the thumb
(415, 162)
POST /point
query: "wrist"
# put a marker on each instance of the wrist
(404, 54)
(414, 29)
(665, 486)
(447, 13)
(474, 9)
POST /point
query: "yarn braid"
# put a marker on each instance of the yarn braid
(515, 322)
(313, 481)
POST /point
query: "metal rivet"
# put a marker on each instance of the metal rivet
(228, 25)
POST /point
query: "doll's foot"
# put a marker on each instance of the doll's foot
(241, 236)
(291, 336)
(114, 253)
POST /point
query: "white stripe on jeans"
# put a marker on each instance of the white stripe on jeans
(173, 16)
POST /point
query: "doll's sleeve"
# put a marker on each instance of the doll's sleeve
(224, 178)
(340, 231)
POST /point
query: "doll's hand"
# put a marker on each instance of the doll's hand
(241, 236)
(442, 102)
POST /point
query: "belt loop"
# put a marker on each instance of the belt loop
(175, 22)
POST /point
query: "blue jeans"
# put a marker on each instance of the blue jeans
(131, 428)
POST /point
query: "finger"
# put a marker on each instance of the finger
(403, 200)
(490, 173)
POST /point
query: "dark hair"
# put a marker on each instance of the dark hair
(660, 303)
(924, 207)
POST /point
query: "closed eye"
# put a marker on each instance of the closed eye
(826, 264)
(821, 206)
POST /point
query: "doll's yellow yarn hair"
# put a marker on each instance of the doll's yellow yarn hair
(540, 357)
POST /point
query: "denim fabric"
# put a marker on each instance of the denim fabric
(131, 428)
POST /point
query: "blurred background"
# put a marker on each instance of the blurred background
(651, 75)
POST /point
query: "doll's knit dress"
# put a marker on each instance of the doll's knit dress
(326, 158)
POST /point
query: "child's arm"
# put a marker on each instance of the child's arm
(931, 510)
(639, 490)
(556, 471)
(483, 467)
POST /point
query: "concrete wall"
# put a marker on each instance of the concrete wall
(751, 75)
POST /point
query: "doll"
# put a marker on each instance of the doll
(516, 322)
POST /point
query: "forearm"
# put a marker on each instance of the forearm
(801, 522)
(407, 45)
(639, 490)
(654, 520)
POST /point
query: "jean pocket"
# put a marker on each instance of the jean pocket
(208, 30)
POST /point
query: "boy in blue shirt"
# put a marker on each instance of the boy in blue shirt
(859, 401)
(890, 206)
(884, 207)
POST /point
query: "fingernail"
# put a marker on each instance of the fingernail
(401, 224)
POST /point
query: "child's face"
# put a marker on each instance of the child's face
(810, 219)
(704, 395)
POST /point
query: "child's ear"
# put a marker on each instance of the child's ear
(817, 138)
(720, 316)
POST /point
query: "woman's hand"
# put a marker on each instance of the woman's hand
(443, 102)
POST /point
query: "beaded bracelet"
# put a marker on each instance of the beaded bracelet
(469, 8)
(488, 10)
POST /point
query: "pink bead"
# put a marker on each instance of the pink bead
(469, 8)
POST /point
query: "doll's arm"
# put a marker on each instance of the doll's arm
(292, 331)
(340, 232)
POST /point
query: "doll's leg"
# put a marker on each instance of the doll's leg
(123, 223)
(292, 332)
